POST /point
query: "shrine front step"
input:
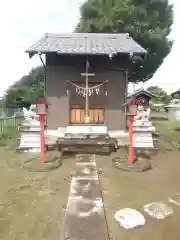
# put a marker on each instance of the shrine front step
(86, 146)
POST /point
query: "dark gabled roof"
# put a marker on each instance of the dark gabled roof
(138, 92)
(141, 91)
(86, 43)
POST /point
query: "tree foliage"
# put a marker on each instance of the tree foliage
(24, 91)
(147, 21)
(161, 95)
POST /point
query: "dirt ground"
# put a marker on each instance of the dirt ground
(32, 204)
(134, 190)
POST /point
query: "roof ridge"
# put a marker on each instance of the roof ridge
(126, 35)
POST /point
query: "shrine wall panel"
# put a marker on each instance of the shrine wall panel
(58, 76)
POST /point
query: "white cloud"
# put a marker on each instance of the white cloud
(22, 23)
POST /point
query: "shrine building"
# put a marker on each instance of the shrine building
(86, 78)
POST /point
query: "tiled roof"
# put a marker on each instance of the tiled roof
(86, 43)
(141, 91)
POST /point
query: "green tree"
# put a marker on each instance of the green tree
(161, 95)
(24, 91)
(147, 21)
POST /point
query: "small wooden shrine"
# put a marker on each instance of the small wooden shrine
(86, 78)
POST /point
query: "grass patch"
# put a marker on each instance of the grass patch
(169, 129)
(158, 118)
(32, 204)
(9, 133)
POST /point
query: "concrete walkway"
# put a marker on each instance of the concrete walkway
(84, 219)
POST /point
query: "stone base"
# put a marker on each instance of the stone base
(29, 125)
(142, 134)
(27, 149)
(86, 129)
(120, 135)
(30, 140)
(30, 136)
(143, 125)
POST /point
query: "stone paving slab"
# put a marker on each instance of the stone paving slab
(92, 227)
(84, 218)
(86, 188)
(84, 207)
(81, 158)
(87, 170)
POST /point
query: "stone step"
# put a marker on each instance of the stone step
(142, 134)
(143, 145)
(28, 149)
(142, 130)
(145, 140)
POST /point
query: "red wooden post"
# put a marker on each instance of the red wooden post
(131, 155)
(131, 113)
(42, 138)
(41, 110)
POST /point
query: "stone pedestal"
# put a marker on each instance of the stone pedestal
(30, 136)
(142, 134)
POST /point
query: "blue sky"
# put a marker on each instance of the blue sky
(23, 22)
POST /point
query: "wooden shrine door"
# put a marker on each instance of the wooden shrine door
(77, 115)
(96, 106)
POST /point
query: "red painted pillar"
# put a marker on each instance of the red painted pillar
(131, 155)
(42, 138)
